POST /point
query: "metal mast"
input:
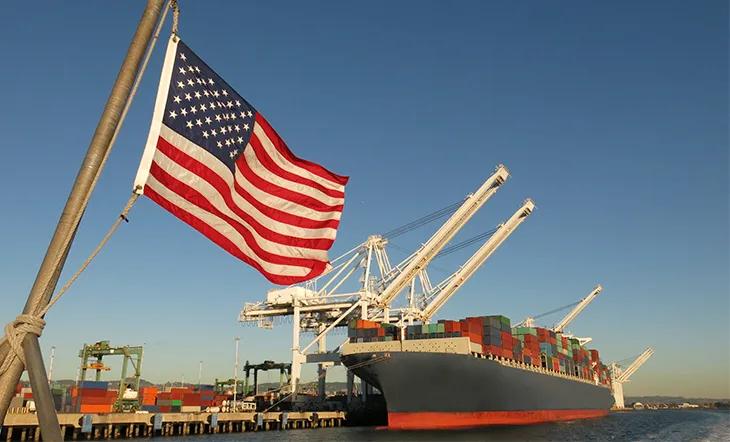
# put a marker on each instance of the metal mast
(54, 260)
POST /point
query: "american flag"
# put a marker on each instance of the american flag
(213, 161)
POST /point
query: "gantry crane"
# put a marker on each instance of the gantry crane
(620, 375)
(321, 304)
(131, 354)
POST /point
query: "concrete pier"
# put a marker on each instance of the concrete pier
(78, 426)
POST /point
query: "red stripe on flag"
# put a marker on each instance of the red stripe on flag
(274, 169)
(224, 191)
(289, 218)
(228, 245)
(304, 164)
(281, 192)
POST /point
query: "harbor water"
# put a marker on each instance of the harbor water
(654, 425)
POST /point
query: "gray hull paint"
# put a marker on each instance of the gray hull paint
(442, 382)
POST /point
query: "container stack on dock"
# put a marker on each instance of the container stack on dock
(148, 399)
(93, 397)
(536, 346)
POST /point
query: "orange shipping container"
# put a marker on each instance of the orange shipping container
(95, 408)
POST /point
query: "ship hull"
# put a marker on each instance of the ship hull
(426, 390)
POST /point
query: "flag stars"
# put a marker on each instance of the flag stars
(245, 127)
(180, 84)
(228, 142)
(206, 93)
(191, 82)
(206, 134)
(191, 69)
(219, 144)
(182, 70)
(233, 153)
(218, 117)
(249, 113)
(238, 103)
(182, 56)
(243, 115)
(183, 112)
(223, 130)
(197, 69)
(224, 92)
(197, 95)
(203, 108)
(173, 115)
(188, 97)
(176, 99)
(189, 124)
(237, 128)
(214, 133)
(208, 120)
(212, 105)
(193, 109)
(210, 81)
(199, 122)
(216, 94)
(240, 140)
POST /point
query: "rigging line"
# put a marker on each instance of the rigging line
(135, 195)
(467, 242)
(556, 310)
(405, 228)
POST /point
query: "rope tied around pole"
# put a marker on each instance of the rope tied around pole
(175, 15)
(15, 333)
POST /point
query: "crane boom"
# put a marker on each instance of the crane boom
(638, 362)
(477, 259)
(578, 308)
(443, 235)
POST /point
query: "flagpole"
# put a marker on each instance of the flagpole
(58, 248)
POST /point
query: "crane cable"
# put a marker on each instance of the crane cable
(422, 221)
(467, 242)
(557, 310)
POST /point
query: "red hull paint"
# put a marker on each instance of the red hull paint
(434, 420)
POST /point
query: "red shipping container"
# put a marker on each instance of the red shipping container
(92, 392)
(165, 409)
(96, 400)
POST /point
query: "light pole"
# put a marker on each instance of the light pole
(200, 373)
(50, 365)
(235, 377)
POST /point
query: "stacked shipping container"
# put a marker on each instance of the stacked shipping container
(93, 397)
(537, 346)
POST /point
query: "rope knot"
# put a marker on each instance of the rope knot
(15, 333)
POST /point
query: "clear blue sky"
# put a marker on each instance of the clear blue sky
(613, 117)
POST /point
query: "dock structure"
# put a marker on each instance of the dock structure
(79, 426)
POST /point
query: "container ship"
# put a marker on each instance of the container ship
(477, 371)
